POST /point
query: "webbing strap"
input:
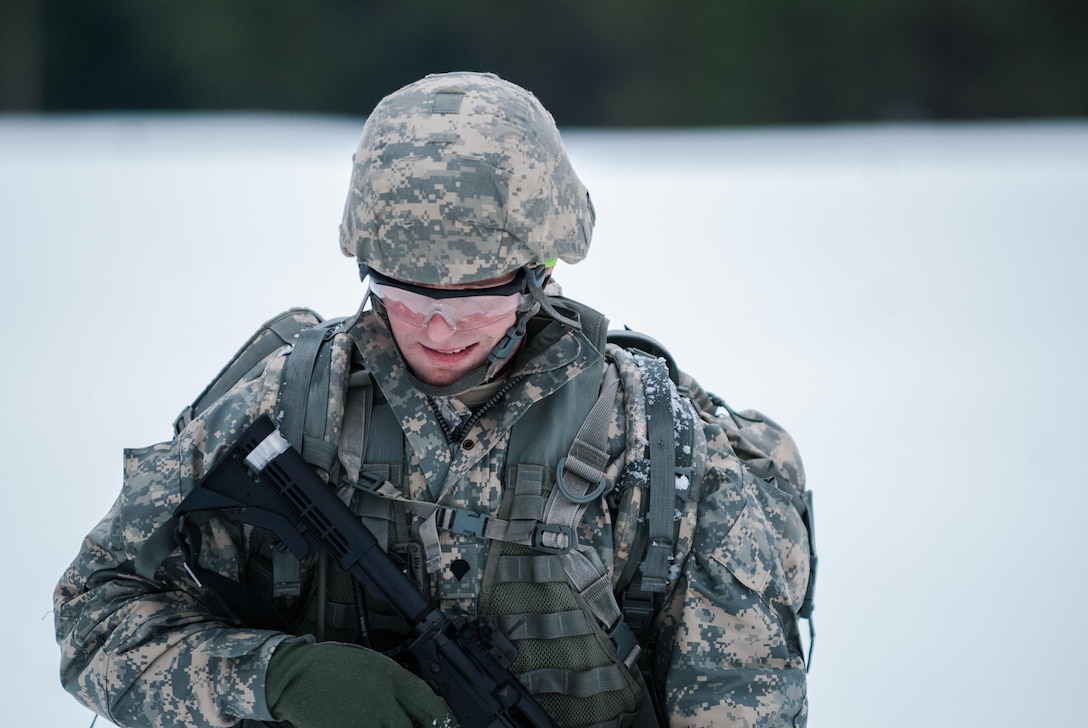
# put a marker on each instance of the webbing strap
(527, 501)
(304, 402)
(588, 577)
(662, 452)
(299, 423)
(355, 429)
(803, 504)
(434, 516)
(580, 475)
(426, 511)
(385, 441)
(547, 626)
(534, 568)
(286, 580)
(317, 451)
(376, 513)
(584, 684)
(580, 480)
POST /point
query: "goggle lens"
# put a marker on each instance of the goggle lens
(462, 310)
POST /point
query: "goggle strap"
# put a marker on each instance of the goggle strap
(506, 289)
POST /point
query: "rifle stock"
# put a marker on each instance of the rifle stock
(275, 488)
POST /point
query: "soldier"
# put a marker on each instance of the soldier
(504, 451)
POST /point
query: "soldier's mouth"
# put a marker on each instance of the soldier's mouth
(449, 352)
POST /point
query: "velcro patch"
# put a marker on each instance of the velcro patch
(447, 102)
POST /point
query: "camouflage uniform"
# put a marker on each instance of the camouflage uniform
(170, 652)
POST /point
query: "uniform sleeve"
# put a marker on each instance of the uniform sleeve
(729, 652)
(160, 652)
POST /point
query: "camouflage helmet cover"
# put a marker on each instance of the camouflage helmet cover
(461, 177)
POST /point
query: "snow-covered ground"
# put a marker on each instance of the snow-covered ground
(910, 301)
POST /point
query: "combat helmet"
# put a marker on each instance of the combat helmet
(462, 177)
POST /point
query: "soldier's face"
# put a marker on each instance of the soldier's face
(437, 349)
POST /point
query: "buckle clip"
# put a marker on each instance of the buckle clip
(458, 520)
(624, 642)
(369, 481)
(551, 538)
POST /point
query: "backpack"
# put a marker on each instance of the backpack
(643, 577)
(279, 331)
(761, 444)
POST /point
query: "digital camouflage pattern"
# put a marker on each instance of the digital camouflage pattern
(728, 652)
(469, 473)
(461, 177)
(145, 654)
(458, 178)
(735, 657)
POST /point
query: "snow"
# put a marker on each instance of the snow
(909, 301)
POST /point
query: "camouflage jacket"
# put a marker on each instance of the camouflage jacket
(728, 653)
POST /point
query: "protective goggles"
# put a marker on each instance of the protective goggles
(462, 309)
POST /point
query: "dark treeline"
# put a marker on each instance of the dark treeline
(592, 62)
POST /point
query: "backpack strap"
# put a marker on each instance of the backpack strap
(356, 429)
(308, 390)
(274, 334)
(304, 400)
(670, 448)
(627, 338)
(664, 475)
(580, 480)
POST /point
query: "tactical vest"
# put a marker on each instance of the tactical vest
(552, 599)
(578, 644)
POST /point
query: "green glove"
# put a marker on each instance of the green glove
(335, 685)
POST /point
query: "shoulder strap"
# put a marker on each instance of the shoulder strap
(670, 449)
(304, 400)
(580, 480)
(671, 440)
(626, 338)
(664, 473)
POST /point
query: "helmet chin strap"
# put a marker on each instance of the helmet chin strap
(538, 301)
(535, 278)
(504, 349)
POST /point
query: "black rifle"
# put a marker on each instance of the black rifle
(275, 488)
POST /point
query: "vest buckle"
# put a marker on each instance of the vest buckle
(459, 520)
(552, 538)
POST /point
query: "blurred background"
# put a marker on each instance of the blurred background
(866, 219)
(630, 63)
